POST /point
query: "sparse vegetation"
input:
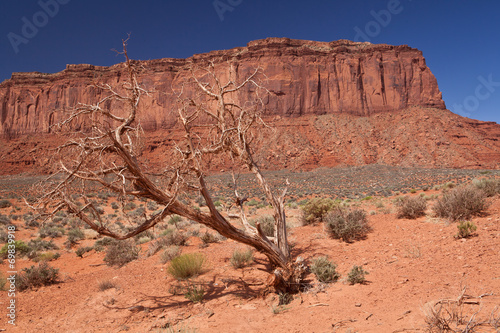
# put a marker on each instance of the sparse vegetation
(194, 293)
(186, 266)
(106, 284)
(36, 276)
(411, 207)
(82, 250)
(490, 187)
(324, 270)
(461, 203)
(316, 209)
(241, 258)
(357, 275)
(347, 224)
(170, 253)
(120, 253)
(266, 223)
(465, 229)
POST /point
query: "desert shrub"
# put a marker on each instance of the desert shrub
(465, 229)
(129, 206)
(173, 237)
(36, 276)
(186, 266)
(209, 237)
(3, 282)
(106, 284)
(347, 224)
(100, 244)
(316, 209)
(461, 203)
(411, 207)
(266, 224)
(120, 253)
(82, 250)
(357, 275)
(174, 219)
(4, 219)
(74, 235)
(151, 205)
(194, 293)
(51, 231)
(240, 259)
(169, 253)
(21, 249)
(490, 187)
(4, 203)
(39, 244)
(324, 270)
(47, 256)
(114, 205)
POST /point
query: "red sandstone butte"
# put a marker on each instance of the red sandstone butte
(336, 103)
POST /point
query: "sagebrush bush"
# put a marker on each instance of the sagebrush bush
(51, 231)
(170, 253)
(465, 229)
(347, 224)
(411, 207)
(186, 266)
(240, 258)
(36, 276)
(209, 237)
(316, 209)
(82, 250)
(47, 256)
(357, 275)
(266, 223)
(490, 187)
(120, 253)
(461, 203)
(173, 237)
(324, 270)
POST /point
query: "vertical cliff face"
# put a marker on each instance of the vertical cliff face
(304, 77)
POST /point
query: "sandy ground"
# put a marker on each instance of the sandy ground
(412, 264)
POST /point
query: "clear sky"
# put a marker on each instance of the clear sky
(459, 39)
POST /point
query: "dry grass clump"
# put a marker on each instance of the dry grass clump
(347, 224)
(240, 258)
(186, 266)
(461, 203)
(106, 284)
(170, 253)
(357, 275)
(411, 207)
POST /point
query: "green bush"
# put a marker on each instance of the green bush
(74, 235)
(324, 270)
(186, 266)
(120, 253)
(36, 276)
(316, 209)
(465, 229)
(4, 220)
(347, 224)
(21, 249)
(240, 259)
(411, 207)
(357, 275)
(461, 203)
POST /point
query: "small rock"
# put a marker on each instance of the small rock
(358, 305)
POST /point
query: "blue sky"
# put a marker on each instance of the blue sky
(459, 39)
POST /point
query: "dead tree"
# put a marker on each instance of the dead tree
(106, 151)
